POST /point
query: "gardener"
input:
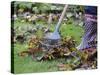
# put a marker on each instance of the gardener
(90, 26)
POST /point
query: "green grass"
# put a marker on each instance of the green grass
(72, 30)
(27, 65)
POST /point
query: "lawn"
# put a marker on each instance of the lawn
(27, 65)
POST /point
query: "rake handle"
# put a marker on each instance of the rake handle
(61, 17)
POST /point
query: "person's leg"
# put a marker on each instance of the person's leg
(90, 35)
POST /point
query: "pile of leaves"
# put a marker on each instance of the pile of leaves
(75, 59)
